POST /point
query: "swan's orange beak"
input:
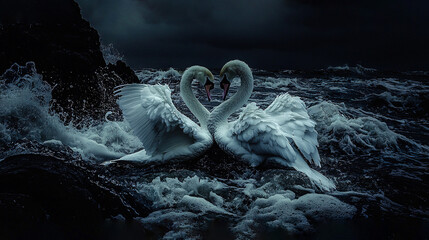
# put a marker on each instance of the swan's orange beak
(209, 85)
(224, 84)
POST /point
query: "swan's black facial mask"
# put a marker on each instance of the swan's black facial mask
(209, 85)
(224, 84)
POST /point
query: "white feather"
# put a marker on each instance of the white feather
(164, 131)
(283, 132)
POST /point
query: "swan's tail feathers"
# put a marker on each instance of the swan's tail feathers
(318, 179)
(140, 158)
(107, 163)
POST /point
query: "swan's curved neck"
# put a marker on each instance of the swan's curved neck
(199, 111)
(220, 114)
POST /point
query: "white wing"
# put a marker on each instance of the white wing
(283, 133)
(163, 130)
(290, 113)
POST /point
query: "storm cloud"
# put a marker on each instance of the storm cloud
(271, 34)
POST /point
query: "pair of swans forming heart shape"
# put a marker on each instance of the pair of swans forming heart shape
(283, 132)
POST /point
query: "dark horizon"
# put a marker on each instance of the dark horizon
(274, 34)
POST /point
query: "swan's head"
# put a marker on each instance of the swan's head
(204, 76)
(228, 72)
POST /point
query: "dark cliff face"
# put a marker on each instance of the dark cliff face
(66, 50)
(51, 33)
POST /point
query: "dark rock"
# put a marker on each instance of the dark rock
(66, 51)
(215, 163)
(123, 71)
(40, 189)
(51, 33)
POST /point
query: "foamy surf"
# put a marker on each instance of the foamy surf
(377, 157)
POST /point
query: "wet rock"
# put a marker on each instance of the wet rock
(42, 189)
(123, 71)
(214, 163)
(66, 51)
(51, 33)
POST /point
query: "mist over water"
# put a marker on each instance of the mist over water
(372, 127)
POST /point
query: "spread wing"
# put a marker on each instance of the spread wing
(283, 133)
(256, 136)
(156, 121)
(290, 113)
(283, 130)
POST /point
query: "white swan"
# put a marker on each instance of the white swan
(282, 133)
(166, 133)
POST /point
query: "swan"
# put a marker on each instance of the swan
(282, 133)
(166, 134)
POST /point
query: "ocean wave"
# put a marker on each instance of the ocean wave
(359, 69)
(276, 83)
(281, 211)
(25, 115)
(340, 133)
(246, 203)
(153, 76)
(171, 191)
(111, 54)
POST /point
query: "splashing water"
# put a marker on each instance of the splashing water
(25, 114)
(372, 136)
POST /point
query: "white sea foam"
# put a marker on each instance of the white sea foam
(181, 224)
(25, 114)
(276, 83)
(357, 69)
(351, 135)
(198, 204)
(180, 204)
(279, 211)
(152, 76)
(111, 54)
(183, 206)
(171, 191)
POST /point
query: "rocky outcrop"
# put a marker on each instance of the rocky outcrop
(66, 51)
(51, 33)
(39, 190)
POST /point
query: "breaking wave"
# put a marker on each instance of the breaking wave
(25, 115)
(354, 135)
(183, 202)
(152, 76)
(180, 205)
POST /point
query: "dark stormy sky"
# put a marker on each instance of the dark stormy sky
(270, 34)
